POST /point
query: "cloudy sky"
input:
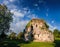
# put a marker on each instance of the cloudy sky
(25, 10)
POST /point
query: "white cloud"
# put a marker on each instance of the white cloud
(9, 4)
(12, 6)
(31, 16)
(38, 8)
(47, 9)
(19, 26)
(6, 2)
(40, 1)
(52, 21)
(11, 0)
(22, 23)
(51, 27)
(20, 12)
(26, 8)
(46, 14)
(35, 4)
(17, 13)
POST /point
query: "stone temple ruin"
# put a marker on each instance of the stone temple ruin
(38, 31)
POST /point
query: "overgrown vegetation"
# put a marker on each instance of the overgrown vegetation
(28, 24)
(56, 33)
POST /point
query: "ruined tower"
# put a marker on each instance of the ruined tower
(38, 31)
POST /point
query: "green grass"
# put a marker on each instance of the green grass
(38, 44)
(42, 44)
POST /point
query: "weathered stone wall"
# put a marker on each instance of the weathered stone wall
(38, 31)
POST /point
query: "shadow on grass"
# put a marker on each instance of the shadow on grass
(9, 43)
(12, 43)
(57, 43)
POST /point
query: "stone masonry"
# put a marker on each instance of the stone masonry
(38, 31)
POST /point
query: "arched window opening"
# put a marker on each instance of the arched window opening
(36, 25)
(31, 27)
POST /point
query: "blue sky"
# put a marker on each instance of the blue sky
(25, 10)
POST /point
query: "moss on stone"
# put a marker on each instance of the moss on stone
(29, 23)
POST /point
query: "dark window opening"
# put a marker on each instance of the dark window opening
(38, 35)
(31, 27)
(36, 25)
(48, 36)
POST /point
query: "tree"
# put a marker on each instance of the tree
(20, 35)
(12, 35)
(3, 36)
(5, 19)
(59, 34)
(46, 25)
(56, 33)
